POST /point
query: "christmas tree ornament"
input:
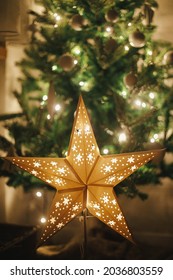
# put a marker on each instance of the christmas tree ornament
(78, 22)
(168, 58)
(148, 14)
(51, 100)
(130, 80)
(84, 179)
(66, 61)
(110, 45)
(137, 39)
(111, 16)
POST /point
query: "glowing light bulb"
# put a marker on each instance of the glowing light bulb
(45, 97)
(105, 151)
(48, 117)
(54, 67)
(77, 50)
(138, 102)
(122, 137)
(55, 25)
(57, 17)
(126, 48)
(152, 140)
(75, 61)
(38, 194)
(43, 220)
(81, 83)
(152, 95)
(124, 93)
(149, 52)
(108, 29)
(144, 105)
(57, 107)
(156, 136)
(129, 24)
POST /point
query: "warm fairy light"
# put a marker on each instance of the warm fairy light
(45, 97)
(43, 220)
(57, 16)
(48, 117)
(129, 24)
(152, 95)
(105, 151)
(124, 93)
(138, 102)
(81, 83)
(39, 194)
(144, 105)
(152, 140)
(126, 48)
(156, 136)
(54, 67)
(122, 137)
(108, 29)
(57, 107)
(149, 52)
(55, 25)
(75, 61)
(77, 50)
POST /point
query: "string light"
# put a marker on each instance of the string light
(43, 220)
(152, 95)
(81, 83)
(129, 24)
(76, 50)
(149, 52)
(126, 48)
(108, 29)
(105, 151)
(38, 194)
(152, 140)
(57, 107)
(57, 17)
(55, 25)
(156, 136)
(45, 97)
(75, 61)
(124, 93)
(122, 137)
(54, 67)
(48, 117)
(138, 102)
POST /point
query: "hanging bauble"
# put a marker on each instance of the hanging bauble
(130, 80)
(155, 146)
(51, 98)
(110, 45)
(111, 16)
(66, 61)
(137, 39)
(78, 22)
(148, 14)
(168, 58)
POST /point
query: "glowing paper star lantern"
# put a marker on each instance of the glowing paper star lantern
(84, 179)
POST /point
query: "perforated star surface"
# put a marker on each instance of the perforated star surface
(84, 179)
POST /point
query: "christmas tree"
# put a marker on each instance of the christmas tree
(104, 51)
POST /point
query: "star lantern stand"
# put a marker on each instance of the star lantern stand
(84, 180)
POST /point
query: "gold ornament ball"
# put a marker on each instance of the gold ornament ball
(77, 22)
(130, 80)
(66, 61)
(137, 39)
(155, 146)
(111, 16)
(168, 58)
(110, 45)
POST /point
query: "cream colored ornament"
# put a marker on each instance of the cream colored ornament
(78, 22)
(66, 61)
(168, 58)
(111, 16)
(130, 80)
(137, 39)
(84, 179)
